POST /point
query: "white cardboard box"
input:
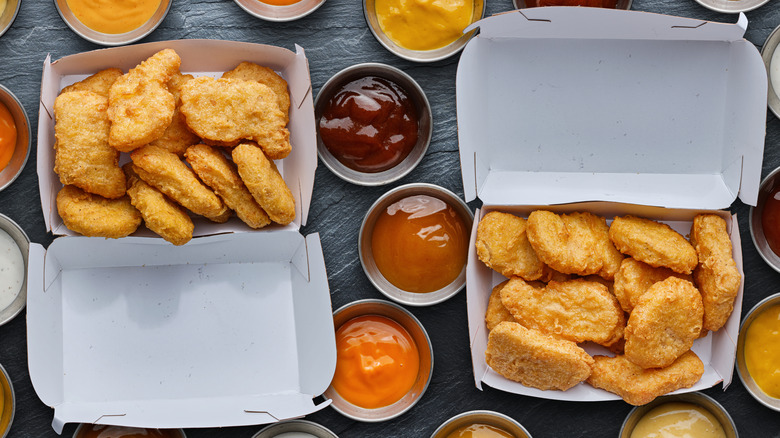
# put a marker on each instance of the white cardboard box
(614, 112)
(233, 328)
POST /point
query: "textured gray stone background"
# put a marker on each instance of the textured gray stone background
(335, 37)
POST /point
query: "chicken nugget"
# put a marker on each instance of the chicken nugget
(652, 242)
(265, 183)
(227, 111)
(496, 312)
(140, 105)
(502, 244)
(82, 155)
(165, 171)
(639, 386)
(249, 71)
(221, 175)
(535, 359)
(716, 275)
(99, 82)
(577, 310)
(160, 214)
(664, 323)
(95, 216)
(575, 243)
(177, 137)
(635, 277)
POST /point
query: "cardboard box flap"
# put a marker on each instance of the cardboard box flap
(589, 111)
(199, 58)
(232, 329)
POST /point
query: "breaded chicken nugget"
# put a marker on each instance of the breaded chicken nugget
(82, 155)
(664, 323)
(577, 310)
(502, 244)
(496, 312)
(264, 182)
(576, 243)
(249, 71)
(653, 242)
(638, 386)
(227, 111)
(177, 138)
(160, 214)
(635, 277)
(165, 171)
(221, 175)
(534, 359)
(140, 105)
(95, 216)
(99, 82)
(716, 275)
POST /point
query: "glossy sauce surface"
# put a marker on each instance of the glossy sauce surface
(377, 361)
(770, 220)
(480, 430)
(424, 24)
(370, 124)
(678, 420)
(6, 404)
(612, 4)
(113, 16)
(280, 2)
(762, 350)
(420, 244)
(103, 431)
(7, 136)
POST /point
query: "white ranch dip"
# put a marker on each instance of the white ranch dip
(11, 269)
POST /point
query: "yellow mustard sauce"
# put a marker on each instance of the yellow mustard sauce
(762, 351)
(3, 4)
(113, 16)
(6, 404)
(424, 24)
(480, 430)
(678, 420)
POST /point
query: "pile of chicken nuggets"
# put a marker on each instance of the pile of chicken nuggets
(197, 147)
(635, 286)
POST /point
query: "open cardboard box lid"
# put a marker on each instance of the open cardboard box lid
(232, 329)
(563, 104)
(614, 112)
(199, 58)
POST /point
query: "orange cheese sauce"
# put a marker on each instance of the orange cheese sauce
(7, 136)
(479, 430)
(377, 361)
(103, 431)
(280, 2)
(113, 16)
(420, 244)
(762, 351)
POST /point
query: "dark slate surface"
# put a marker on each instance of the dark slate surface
(335, 37)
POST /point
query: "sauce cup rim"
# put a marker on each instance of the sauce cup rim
(742, 371)
(106, 39)
(698, 398)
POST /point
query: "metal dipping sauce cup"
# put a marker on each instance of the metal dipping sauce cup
(23, 242)
(696, 398)
(768, 185)
(23, 137)
(110, 39)
(302, 428)
(483, 417)
(269, 12)
(744, 375)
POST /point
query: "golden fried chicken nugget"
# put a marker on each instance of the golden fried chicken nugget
(177, 137)
(99, 82)
(577, 310)
(140, 105)
(502, 244)
(716, 275)
(160, 214)
(535, 359)
(249, 71)
(95, 216)
(82, 155)
(654, 243)
(575, 243)
(227, 111)
(165, 171)
(664, 323)
(639, 386)
(221, 175)
(496, 312)
(635, 277)
(264, 182)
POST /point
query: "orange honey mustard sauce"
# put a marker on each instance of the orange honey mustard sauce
(279, 2)
(377, 361)
(113, 16)
(420, 244)
(7, 136)
(479, 430)
(762, 355)
(103, 431)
